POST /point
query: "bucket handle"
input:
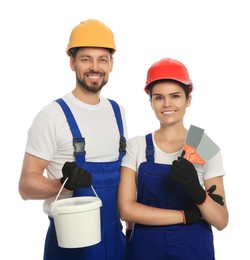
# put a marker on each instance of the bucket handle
(62, 189)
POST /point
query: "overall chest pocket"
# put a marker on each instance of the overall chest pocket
(157, 189)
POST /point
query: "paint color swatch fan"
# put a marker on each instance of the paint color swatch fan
(199, 148)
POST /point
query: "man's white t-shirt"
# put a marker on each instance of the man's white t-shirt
(50, 138)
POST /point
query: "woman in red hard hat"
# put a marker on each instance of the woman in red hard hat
(172, 201)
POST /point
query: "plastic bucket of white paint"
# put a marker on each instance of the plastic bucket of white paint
(77, 221)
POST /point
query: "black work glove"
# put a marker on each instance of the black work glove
(216, 197)
(185, 173)
(192, 215)
(77, 177)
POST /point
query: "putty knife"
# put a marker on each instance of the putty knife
(199, 147)
(207, 148)
(193, 140)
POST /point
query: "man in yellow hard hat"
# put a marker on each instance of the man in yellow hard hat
(79, 141)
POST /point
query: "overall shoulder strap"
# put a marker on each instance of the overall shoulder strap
(118, 117)
(78, 140)
(149, 148)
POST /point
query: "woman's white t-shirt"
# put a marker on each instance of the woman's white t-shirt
(135, 155)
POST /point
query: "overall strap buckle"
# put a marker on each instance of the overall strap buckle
(122, 147)
(79, 145)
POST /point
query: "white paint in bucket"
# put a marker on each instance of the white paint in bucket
(77, 221)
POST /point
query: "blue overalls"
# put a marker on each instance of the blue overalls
(173, 242)
(105, 179)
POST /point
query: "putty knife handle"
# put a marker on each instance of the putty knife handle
(192, 155)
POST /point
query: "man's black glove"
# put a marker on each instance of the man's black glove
(77, 177)
(185, 173)
(216, 197)
(191, 215)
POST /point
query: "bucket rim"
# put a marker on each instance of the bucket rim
(58, 208)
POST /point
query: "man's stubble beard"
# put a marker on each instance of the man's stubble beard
(94, 88)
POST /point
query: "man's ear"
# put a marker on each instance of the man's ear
(72, 63)
(111, 64)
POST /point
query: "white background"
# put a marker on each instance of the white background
(210, 37)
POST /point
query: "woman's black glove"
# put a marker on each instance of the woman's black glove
(216, 197)
(191, 215)
(185, 173)
(77, 177)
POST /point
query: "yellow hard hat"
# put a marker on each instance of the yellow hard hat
(91, 33)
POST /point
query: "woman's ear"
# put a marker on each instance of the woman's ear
(189, 100)
(150, 100)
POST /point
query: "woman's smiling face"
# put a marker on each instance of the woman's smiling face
(169, 102)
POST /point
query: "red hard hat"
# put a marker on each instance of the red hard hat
(168, 69)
